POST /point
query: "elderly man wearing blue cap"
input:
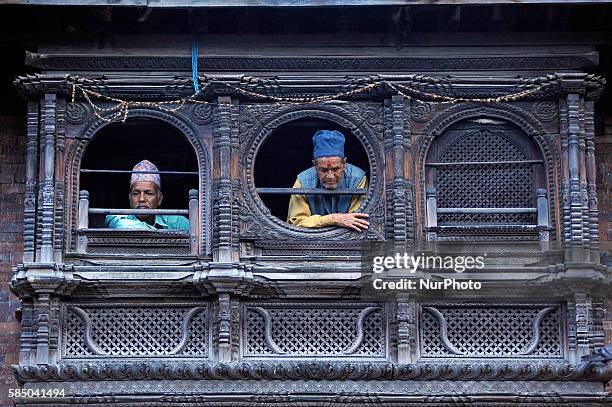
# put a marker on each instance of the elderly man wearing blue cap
(330, 171)
(145, 193)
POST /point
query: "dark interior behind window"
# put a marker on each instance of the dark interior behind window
(119, 146)
(288, 151)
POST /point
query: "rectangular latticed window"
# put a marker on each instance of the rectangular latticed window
(135, 330)
(491, 185)
(314, 330)
(490, 331)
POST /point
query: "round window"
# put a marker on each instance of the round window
(288, 151)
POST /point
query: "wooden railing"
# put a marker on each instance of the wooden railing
(85, 211)
(541, 210)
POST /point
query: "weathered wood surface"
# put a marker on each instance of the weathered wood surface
(281, 3)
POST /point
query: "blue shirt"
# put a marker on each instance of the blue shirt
(132, 222)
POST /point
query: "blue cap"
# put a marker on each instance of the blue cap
(328, 143)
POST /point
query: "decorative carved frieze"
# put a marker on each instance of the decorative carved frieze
(311, 63)
(246, 87)
(136, 242)
(421, 111)
(202, 113)
(545, 110)
(76, 113)
(312, 370)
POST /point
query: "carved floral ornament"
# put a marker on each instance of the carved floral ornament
(317, 370)
(410, 87)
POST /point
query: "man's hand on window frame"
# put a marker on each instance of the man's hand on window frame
(356, 221)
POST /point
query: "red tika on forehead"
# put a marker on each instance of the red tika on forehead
(329, 163)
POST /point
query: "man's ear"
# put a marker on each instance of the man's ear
(161, 198)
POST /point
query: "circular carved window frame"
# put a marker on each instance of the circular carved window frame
(333, 114)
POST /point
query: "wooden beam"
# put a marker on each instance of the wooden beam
(280, 3)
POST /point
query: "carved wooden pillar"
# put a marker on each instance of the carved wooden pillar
(28, 333)
(29, 216)
(42, 330)
(224, 273)
(225, 249)
(224, 328)
(54, 328)
(593, 215)
(59, 188)
(586, 231)
(580, 226)
(574, 246)
(407, 351)
(583, 323)
(45, 336)
(565, 221)
(48, 195)
(399, 188)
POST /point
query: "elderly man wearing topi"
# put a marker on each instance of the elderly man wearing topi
(330, 171)
(145, 193)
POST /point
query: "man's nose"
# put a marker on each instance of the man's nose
(141, 197)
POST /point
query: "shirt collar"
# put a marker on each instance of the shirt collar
(159, 221)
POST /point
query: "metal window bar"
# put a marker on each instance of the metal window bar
(92, 171)
(111, 211)
(85, 211)
(487, 210)
(483, 163)
(311, 191)
(541, 210)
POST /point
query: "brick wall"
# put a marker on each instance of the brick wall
(12, 187)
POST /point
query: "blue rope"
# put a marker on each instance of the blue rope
(194, 65)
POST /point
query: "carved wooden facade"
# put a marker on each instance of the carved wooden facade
(259, 311)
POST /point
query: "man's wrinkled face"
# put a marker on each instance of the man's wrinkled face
(329, 171)
(145, 195)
